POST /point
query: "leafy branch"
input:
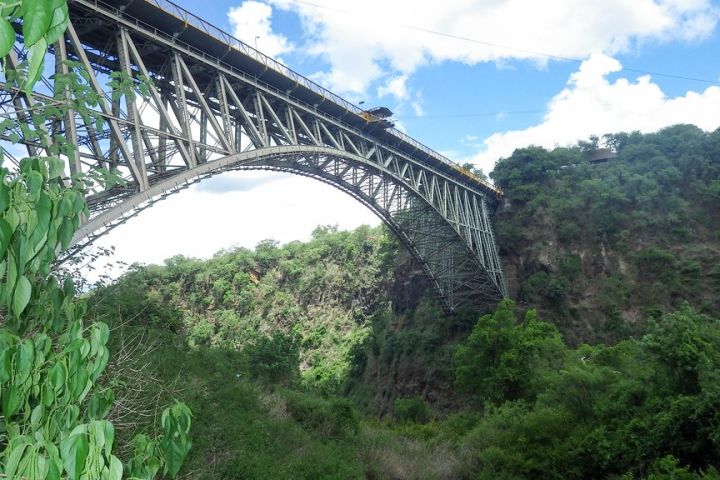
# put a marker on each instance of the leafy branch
(54, 410)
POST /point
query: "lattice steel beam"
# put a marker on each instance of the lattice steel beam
(209, 112)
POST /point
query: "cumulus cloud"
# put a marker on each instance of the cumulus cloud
(372, 44)
(251, 21)
(590, 104)
(396, 86)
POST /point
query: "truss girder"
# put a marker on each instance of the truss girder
(201, 117)
(460, 275)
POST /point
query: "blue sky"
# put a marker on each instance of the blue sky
(487, 81)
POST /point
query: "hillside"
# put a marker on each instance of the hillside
(599, 248)
(330, 359)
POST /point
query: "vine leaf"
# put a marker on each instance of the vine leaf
(116, 469)
(74, 451)
(24, 361)
(15, 457)
(37, 17)
(7, 37)
(10, 401)
(57, 24)
(21, 297)
(37, 57)
(5, 236)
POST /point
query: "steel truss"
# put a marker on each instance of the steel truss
(202, 117)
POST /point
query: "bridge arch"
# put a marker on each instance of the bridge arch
(216, 105)
(457, 256)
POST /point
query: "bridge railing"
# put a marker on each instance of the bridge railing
(219, 34)
(191, 19)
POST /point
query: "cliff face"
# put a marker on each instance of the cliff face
(601, 248)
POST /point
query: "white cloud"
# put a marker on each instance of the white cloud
(590, 104)
(396, 86)
(198, 222)
(369, 44)
(251, 22)
(417, 106)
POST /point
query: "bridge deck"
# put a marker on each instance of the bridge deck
(167, 19)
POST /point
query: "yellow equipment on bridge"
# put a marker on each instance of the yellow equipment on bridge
(378, 116)
(472, 175)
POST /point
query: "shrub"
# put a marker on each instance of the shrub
(275, 358)
(412, 409)
(330, 418)
(503, 360)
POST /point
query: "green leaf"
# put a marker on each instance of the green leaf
(37, 15)
(56, 167)
(15, 456)
(42, 466)
(79, 381)
(98, 407)
(58, 24)
(53, 472)
(65, 205)
(58, 374)
(100, 363)
(67, 230)
(8, 10)
(176, 443)
(48, 394)
(11, 401)
(24, 361)
(21, 297)
(12, 274)
(116, 469)
(35, 68)
(5, 365)
(5, 236)
(109, 433)
(7, 37)
(4, 197)
(43, 208)
(78, 203)
(104, 332)
(74, 451)
(34, 184)
(37, 416)
(68, 287)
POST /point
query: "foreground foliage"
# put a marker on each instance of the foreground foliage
(54, 407)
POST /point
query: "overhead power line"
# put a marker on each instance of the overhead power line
(507, 47)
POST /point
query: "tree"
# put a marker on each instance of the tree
(501, 359)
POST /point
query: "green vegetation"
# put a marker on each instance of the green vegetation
(329, 359)
(56, 402)
(311, 302)
(594, 411)
(599, 247)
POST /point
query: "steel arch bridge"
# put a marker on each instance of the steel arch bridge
(215, 104)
